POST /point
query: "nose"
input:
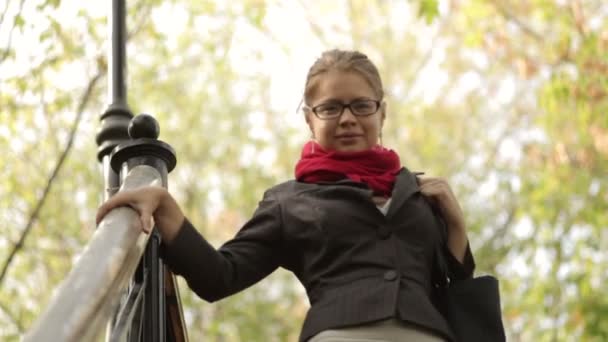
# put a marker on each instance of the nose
(347, 117)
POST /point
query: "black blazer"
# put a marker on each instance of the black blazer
(356, 264)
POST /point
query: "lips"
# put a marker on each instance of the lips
(348, 136)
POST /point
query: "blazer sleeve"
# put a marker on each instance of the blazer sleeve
(459, 270)
(456, 270)
(250, 256)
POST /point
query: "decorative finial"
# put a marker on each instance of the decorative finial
(144, 126)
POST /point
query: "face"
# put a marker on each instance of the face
(346, 133)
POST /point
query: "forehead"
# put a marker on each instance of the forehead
(340, 85)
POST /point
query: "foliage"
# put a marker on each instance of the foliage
(506, 99)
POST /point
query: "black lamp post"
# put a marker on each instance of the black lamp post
(116, 118)
(126, 142)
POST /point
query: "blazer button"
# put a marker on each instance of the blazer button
(390, 275)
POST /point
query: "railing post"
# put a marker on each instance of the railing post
(145, 149)
(146, 318)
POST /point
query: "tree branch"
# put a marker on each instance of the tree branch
(512, 18)
(314, 27)
(4, 12)
(34, 216)
(7, 50)
(143, 9)
(79, 113)
(11, 316)
(423, 62)
(575, 9)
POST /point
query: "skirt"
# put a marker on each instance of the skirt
(391, 330)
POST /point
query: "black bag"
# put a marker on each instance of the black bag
(470, 306)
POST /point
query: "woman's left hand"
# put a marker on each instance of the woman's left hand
(440, 194)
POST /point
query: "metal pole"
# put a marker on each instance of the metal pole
(116, 118)
(117, 91)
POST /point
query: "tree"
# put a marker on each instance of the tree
(506, 99)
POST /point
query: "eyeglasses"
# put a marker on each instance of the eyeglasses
(332, 110)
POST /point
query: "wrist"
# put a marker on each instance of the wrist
(168, 218)
(169, 228)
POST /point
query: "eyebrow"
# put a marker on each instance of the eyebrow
(334, 100)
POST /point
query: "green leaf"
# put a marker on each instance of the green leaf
(428, 9)
(19, 21)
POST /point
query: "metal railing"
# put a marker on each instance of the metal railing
(90, 294)
(120, 285)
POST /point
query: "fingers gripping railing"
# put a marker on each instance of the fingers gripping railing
(88, 297)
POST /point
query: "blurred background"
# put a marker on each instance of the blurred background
(507, 99)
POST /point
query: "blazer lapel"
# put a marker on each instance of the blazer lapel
(405, 186)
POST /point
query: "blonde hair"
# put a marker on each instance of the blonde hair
(344, 61)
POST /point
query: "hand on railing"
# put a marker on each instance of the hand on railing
(150, 202)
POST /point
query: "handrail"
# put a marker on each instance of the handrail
(89, 295)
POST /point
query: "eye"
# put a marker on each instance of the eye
(364, 106)
(329, 108)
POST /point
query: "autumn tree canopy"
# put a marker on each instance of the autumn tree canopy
(506, 99)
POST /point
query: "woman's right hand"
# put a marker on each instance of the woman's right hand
(149, 202)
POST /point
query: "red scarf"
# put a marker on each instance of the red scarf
(377, 167)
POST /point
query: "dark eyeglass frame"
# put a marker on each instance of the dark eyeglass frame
(343, 106)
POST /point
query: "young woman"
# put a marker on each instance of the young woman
(356, 228)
